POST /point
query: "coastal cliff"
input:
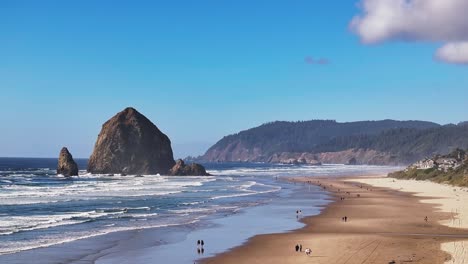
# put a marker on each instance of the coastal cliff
(385, 142)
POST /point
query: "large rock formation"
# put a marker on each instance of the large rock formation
(130, 143)
(66, 165)
(194, 169)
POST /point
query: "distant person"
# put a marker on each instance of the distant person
(300, 247)
(346, 219)
(198, 242)
(202, 243)
(425, 219)
(297, 248)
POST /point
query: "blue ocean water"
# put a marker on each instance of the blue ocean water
(40, 209)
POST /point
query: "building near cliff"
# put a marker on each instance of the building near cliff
(423, 164)
(444, 164)
(441, 163)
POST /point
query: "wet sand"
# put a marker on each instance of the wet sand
(384, 225)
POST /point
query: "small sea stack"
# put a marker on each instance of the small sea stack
(66, 165)
(193, 169)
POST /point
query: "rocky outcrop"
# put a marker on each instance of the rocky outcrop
(129, 143)
(359, 156)
(349, 156)
(181, 169)
(295, 158)
(352, 161)
(235, 151)
(66, 165)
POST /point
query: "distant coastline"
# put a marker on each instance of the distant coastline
(384, 142)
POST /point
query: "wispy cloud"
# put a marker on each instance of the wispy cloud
(416, 20)
(319, 61)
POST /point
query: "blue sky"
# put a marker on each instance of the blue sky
(204, 69)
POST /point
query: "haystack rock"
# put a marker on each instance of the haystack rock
(129, 143)
(66, 165)
(194, 169)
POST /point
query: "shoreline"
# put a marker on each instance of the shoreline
(148, 245)
(384, 225)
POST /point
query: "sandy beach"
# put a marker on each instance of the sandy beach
(386, 224)
(448, 199)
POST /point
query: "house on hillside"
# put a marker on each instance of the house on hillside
(423, 164)
(444, 164)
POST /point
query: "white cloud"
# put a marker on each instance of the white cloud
(416, 20)
(455, 52)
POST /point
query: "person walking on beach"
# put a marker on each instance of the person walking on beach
(300, 247)
(297, 248)
(425, 218)
(346, 219)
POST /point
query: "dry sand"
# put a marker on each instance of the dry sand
(449, 199)
(384, 225)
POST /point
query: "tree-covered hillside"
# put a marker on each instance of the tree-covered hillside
(406, 143)
(259, 143)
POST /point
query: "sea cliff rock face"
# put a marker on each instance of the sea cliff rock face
(235, 151)
(194, 169)
(358, 156)
(295, 158)
(349, 156)
(391, 141)
(66, 165)
(130, 143)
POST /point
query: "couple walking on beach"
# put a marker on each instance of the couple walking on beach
(299, 248)
(200, 246)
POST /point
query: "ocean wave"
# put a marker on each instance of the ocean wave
(14, 224)
(97, 188)
(285, 170)
(70, 237)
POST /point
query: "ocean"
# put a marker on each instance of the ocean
(39, 209)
